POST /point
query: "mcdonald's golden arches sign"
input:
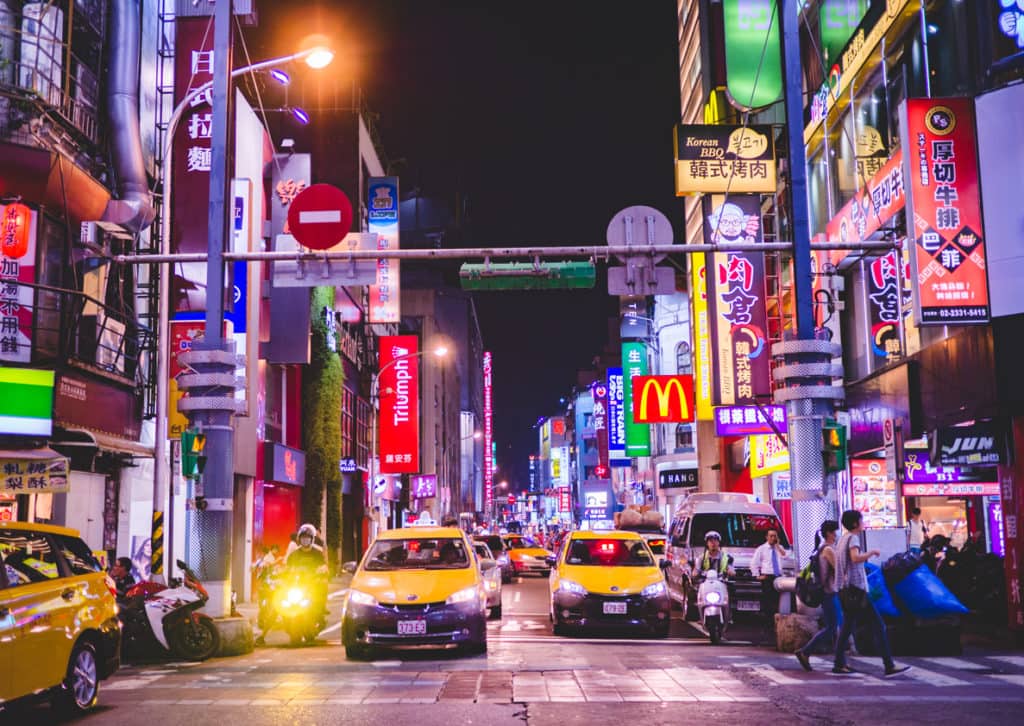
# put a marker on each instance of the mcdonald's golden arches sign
(663, 399)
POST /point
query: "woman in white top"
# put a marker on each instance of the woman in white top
(830, 603)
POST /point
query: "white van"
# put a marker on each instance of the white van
(743, 524)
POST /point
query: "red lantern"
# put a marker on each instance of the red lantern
(14, 231)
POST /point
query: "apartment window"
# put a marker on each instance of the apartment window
(362, 432)
(684, 359)
(348, 412)
(684, 436)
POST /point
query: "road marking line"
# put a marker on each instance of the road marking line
(1013, 680)
(777, 678)
(921, 675)
(959, 664)
(386, 663)
(518, 596)
(1015, 660)
(330, 629)
(337, 593)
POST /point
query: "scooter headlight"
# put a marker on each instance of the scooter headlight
(713, 598)
(653, 590)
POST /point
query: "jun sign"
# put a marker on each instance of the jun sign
(399, 404)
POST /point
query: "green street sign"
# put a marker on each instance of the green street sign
(527, 276)
(634, 363)
(753, 62)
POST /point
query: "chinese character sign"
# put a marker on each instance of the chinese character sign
(398, 392)
(736, 301)
(750, 420)
(951, 282)
(192, 151)
(638, 435)
(599, 392)
(17, 265)
(382, 210)
(33, 475)
(488, 430)
(884, 277)
(870, 208)
(718, 158)
(703, 355)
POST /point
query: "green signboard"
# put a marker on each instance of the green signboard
(839, 18)
(753, 62)
(634, 363)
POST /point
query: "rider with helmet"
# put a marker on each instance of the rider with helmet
(308, 559)
(715, 558)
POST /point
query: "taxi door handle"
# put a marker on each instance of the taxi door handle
(68, 594)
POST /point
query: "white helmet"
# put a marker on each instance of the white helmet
(712, 534)
(306, 531)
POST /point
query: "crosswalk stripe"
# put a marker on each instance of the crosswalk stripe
(864, 679)
(1013, 680)
(917, 673)
(1015, 660)
(958, 663)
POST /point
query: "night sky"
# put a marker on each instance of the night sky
(548, 116)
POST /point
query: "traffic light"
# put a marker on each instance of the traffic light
(193, 454)
(833, 439)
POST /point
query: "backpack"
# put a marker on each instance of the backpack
(809, 587)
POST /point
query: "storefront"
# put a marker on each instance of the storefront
(677, 479)
(278, 495)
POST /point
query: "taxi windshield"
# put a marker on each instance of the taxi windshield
(418, 553)
(609, 553)
(517, 542)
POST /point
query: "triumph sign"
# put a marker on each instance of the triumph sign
(399, 404)
(663, 399)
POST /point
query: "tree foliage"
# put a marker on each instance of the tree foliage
(321, 425)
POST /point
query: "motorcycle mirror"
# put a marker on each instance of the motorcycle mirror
(349, 567)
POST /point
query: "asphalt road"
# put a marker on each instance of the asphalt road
(531, 676)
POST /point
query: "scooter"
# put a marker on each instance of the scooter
(713, 603)
(296, 607)
(167, 619)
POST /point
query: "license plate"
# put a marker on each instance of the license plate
(615, 608)
(412, 627)
(752, 605)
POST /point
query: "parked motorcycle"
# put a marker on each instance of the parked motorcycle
(157, 619)
(713, 603)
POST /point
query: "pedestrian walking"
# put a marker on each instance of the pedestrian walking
(854, 598)
(826, 553)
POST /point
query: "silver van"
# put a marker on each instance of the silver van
(743, 524)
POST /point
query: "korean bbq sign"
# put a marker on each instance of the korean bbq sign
(399, 396)
(724, 159)
(941, 164)
(663, 399)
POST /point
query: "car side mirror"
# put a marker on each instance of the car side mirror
(551, 559)
(487, 565)
(664, 564)
(349, 567)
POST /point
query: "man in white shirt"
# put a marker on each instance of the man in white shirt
(766, 565)
(917, 530)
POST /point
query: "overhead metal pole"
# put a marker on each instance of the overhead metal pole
(807, 370)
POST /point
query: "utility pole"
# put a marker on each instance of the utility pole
(807, 367)
(211, 402)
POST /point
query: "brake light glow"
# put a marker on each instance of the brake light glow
(607, 547)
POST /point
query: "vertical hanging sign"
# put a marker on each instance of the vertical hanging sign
(488, 432)
(382, 206)
(736, 301)
(616, 419)
(944, 202)
(638, 435)
(17, 266)
(703, 351)
(599, 392)
(399, 395)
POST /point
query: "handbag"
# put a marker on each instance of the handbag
(853, 599)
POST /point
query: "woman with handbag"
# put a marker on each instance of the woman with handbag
(858, 608)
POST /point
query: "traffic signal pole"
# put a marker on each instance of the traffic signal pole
(807, 370)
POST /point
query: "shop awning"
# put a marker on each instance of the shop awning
(105, 442)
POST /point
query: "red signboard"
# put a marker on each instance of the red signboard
(398, 386)
(320, 216)
(663, 399)
(870, 208)
(945, 204)
(564, 500)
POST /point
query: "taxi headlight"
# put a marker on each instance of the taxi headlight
(713, 598)
(361, 598)
(574, 587)
(502, 559)
(653, 590)
(462, 596)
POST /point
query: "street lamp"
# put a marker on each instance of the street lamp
(317, 56)
(439, 350)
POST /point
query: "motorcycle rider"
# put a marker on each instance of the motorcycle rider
(308, 559)
(715, 558)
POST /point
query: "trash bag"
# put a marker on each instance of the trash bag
(880, 592)
(899, 566)
(925, 596)
(630, 518)
(653, 519)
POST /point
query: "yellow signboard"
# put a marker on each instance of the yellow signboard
(34, 473)
(724, 159)
(767, 454)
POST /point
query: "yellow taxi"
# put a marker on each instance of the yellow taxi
(526, 556)
(416, 586)
(608, 579)
(59, 634)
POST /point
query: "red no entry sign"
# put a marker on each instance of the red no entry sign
(320, 216)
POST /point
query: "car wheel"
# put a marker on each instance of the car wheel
(81, 687)
(357, 651)
(495, 613)
(661, 628)
(476, 647)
